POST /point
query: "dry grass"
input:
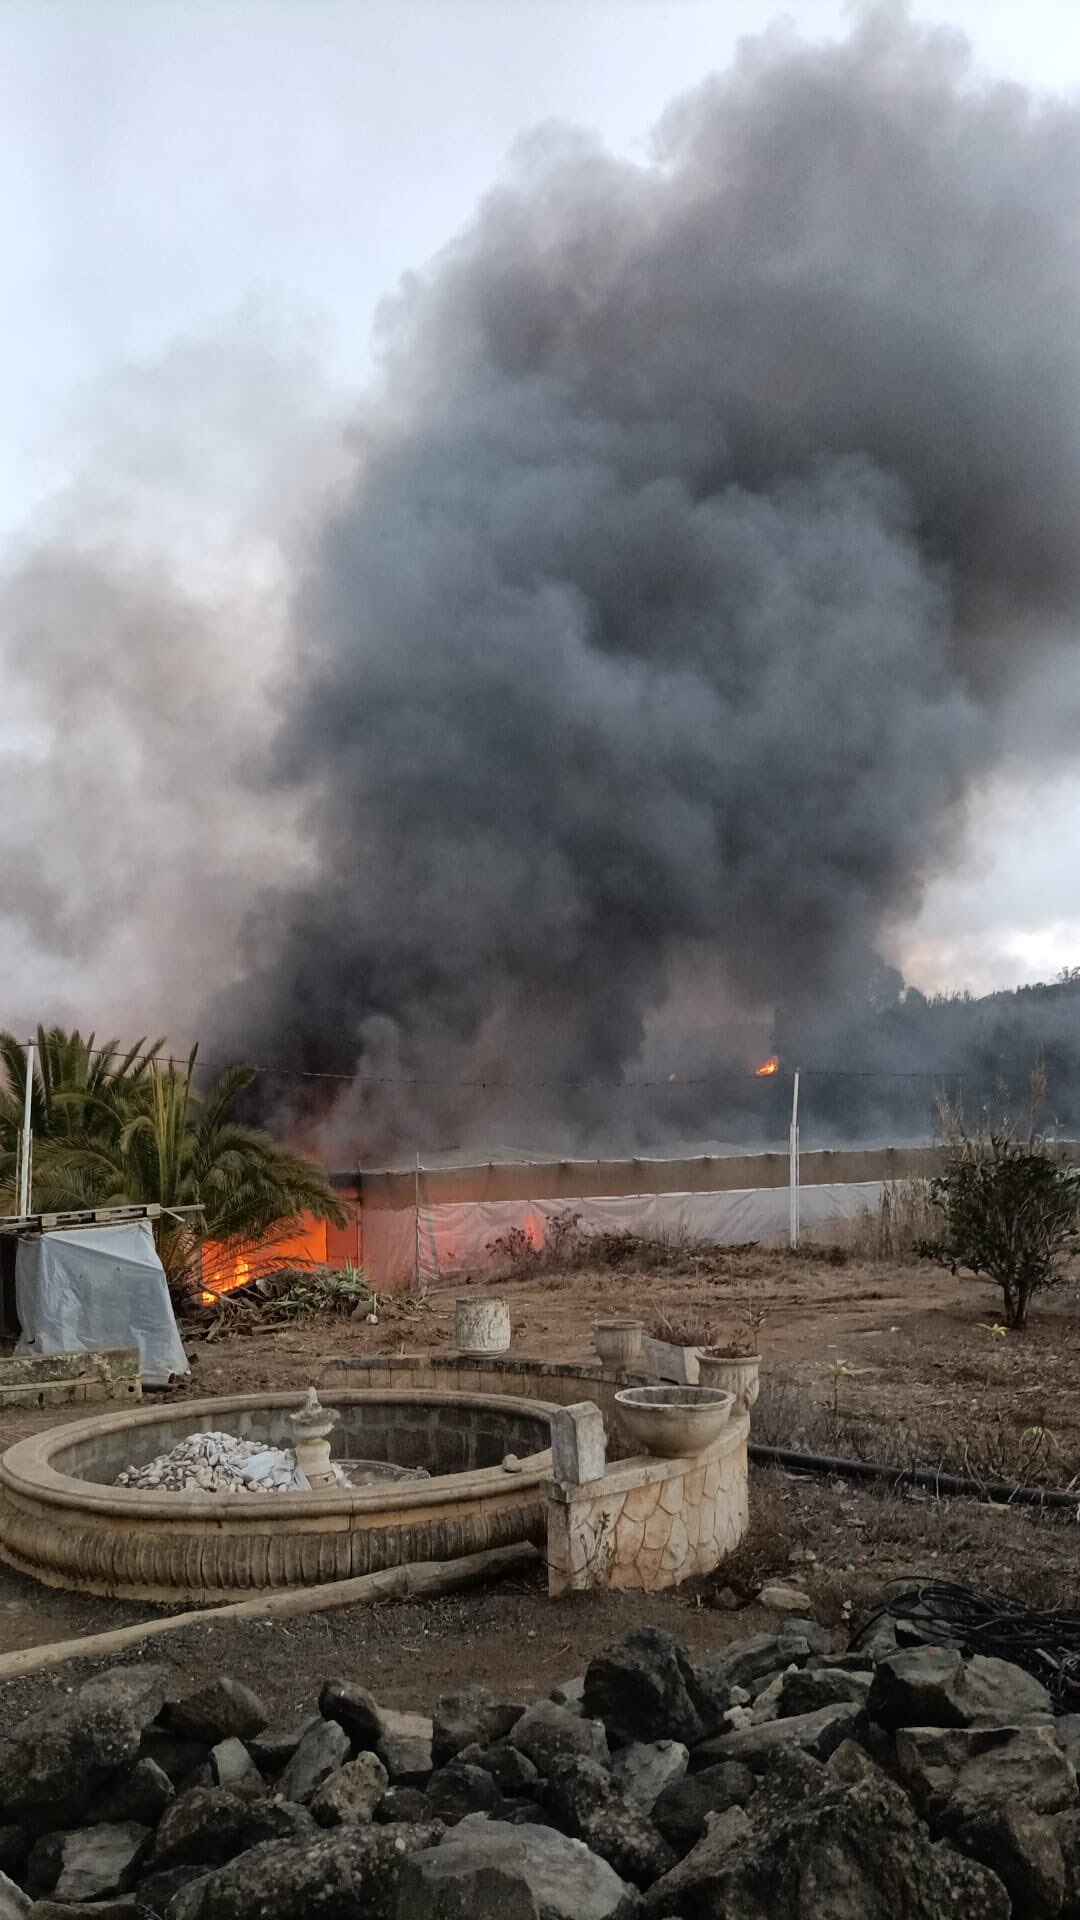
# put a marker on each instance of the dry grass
(569, 1248)
(844, 1416)
(891, 1231)
(843, 1543)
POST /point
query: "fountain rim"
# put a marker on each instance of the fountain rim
(26, 1467)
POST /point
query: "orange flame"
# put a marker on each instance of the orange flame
(771, 1065)
(225, 1268)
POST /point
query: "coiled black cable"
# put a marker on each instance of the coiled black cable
(1044, 1644)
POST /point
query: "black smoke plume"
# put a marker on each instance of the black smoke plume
(713, 528)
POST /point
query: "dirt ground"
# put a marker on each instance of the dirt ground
(887, 1362)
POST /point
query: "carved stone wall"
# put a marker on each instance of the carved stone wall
(648, 1523)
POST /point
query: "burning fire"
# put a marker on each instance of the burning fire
(771, 1065)
(225, 1268)
(223, 1274)
(534, 1232)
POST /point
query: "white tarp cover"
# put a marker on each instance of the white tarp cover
(98, 1287)
(455, 1236)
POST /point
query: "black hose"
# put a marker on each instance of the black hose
(1000, 1491)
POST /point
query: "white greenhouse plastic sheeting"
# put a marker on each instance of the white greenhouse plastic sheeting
(98, 1287)
(456, 1237)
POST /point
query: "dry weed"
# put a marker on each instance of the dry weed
(890, 1232)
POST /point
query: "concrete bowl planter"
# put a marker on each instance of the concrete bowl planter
(736, 1373)
(673, 1422)
(618, 1342)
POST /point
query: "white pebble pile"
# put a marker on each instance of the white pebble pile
(219, 1463)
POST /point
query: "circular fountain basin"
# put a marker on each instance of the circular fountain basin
(63, 1520)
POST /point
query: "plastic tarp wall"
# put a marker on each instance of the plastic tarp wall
(456, 1238)
(98, 1287)
(388, 1245)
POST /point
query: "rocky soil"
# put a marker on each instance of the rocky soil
(778, 1778)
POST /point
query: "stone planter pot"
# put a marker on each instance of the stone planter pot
(679, 1365)
(672, 1422)
(618, 1342)
(481, 1324)
(737, 1373)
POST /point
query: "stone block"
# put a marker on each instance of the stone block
(578, 1444)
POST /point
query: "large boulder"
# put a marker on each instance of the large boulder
(805, 1690)
(157, 1890)
(959, 1774)
(642, 1770)
(14, 1903)
(102, 1860)
(794, 1780)
(586, 1804)
(232, 1766)
(937, 1687)
(140, 1792)
(209, 1825)
(176, 1755)
(403, 1741)
(469, 1719)
(854, 1851)
(354, 1709)
(756, 1746)
(272, 1749)
(512, 1772)
(546, 1733)
(682, 1810)
(1024, 1851)
(402, 1806)
(459, 1789)
(644, 1689)
(488, 1870)
(753, 1663)
(223, 1709)
(323, 1749)
(349, 1797)
(342, 1875)
(59, 1759)
(685, 1888)
(1067, 1833)
(404, 1746)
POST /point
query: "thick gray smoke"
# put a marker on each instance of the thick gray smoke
(138, 626)
(714, 516)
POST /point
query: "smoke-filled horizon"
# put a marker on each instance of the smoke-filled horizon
(712, 533)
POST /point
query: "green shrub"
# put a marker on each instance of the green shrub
(1009, 1211)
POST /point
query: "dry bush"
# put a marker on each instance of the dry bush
(569, 1247)
(890, 1233)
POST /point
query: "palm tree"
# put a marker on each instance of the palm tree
(77, 1086)
(147, 1136)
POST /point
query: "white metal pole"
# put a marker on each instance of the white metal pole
(793, 1165)
(26, 1142)
(417, 1286)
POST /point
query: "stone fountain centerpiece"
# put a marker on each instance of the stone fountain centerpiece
(312, 1426)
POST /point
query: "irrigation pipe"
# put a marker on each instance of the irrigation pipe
(1000, 1492)
(393, 1583)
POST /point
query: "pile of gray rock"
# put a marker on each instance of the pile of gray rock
(218, 1463)
(776, 1779)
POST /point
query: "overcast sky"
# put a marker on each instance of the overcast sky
(166, 167)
